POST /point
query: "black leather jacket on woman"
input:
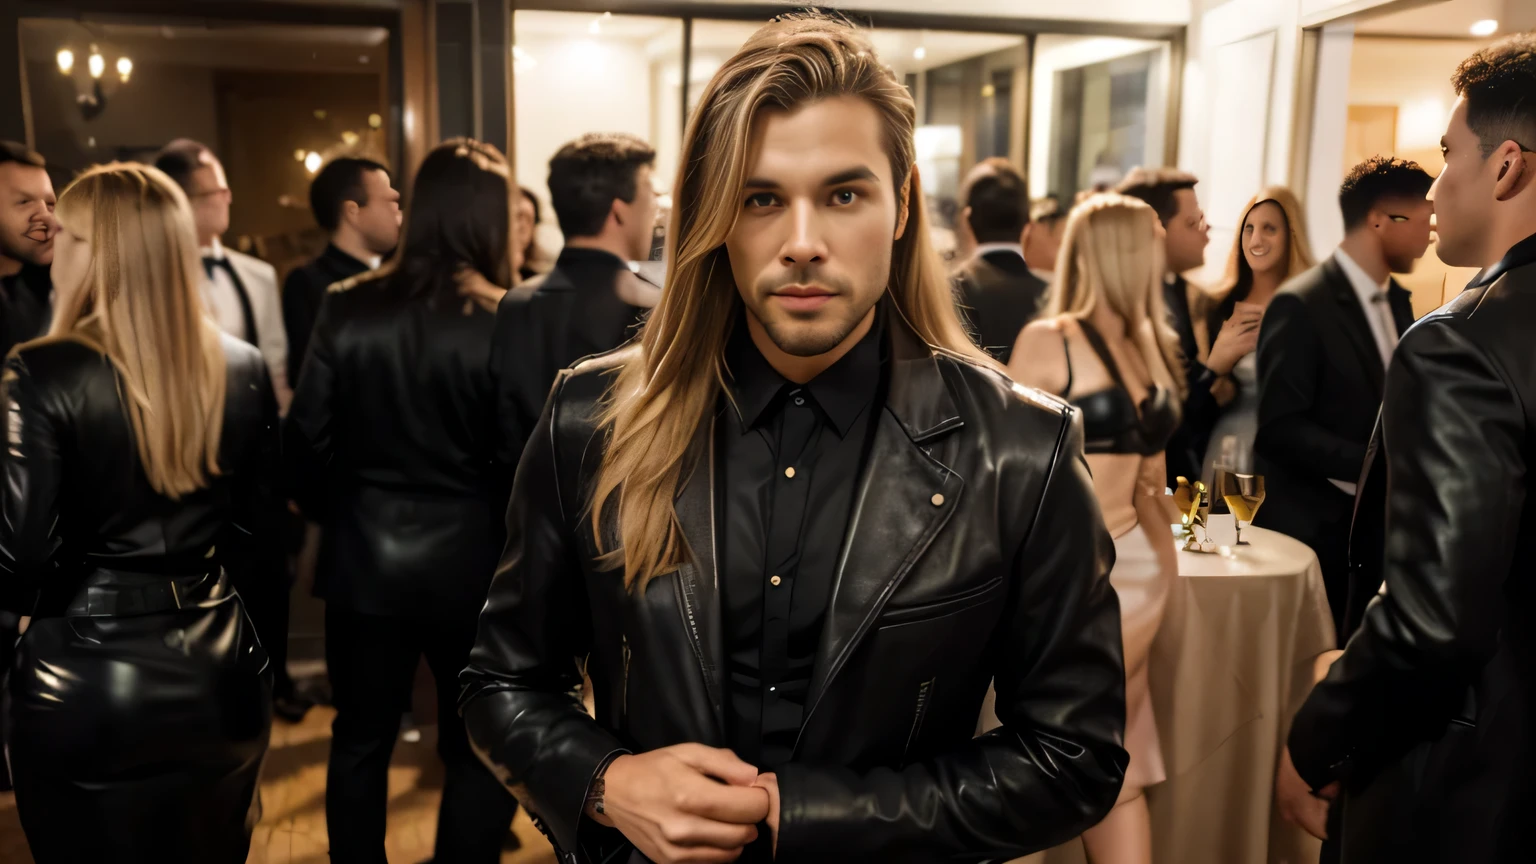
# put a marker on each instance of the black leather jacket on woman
(390, 443)
(976, 551)
(79, 510)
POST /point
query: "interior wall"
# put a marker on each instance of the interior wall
(1414, 77)
(574, 81)
(264, 118)
(1054, 53)
(160, 103)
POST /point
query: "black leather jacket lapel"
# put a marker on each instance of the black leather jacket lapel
(697, 583)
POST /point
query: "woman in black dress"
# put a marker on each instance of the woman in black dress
(391, 444)
(139, 442)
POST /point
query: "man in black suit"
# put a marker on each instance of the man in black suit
(27, 228)
(997, 292)
(352, 199)
(591, 301)
(1172, 194)
(26, 245)
(1324, 348)
(1421, 731)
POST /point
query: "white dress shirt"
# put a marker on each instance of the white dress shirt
(221, 295)
(1378, 314)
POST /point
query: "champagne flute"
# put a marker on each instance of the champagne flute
(1244, 493)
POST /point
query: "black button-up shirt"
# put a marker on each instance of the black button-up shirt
(790, 456)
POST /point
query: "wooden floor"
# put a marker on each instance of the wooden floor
(292, 830)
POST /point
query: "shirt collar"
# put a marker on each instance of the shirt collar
(214, 250)
(842, 392)
(1365, 288)
(988, 248)
(348, 261)
(583, 258)
(1519, 255)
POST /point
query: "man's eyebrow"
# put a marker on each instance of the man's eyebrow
(850, 175)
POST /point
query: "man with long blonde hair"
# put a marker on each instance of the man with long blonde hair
(793, 533)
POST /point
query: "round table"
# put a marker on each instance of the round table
(1231, 665)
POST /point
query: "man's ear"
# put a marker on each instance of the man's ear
(1514, 173)
(349, 210)
(904, 202)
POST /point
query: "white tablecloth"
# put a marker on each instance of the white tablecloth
(1231, 665)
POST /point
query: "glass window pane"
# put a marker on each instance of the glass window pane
(578, 72)
(1100, 109)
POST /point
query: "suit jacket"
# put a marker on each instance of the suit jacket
(998, 295)
(1427, 717)
(391, 445)
(1320, 385)
(303, 291)
(260, 282)
(1196, 322)
(590, 303)
(976, 552)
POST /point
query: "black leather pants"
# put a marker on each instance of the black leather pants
(139, 737)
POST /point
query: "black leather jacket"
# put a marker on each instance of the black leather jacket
(390, 444)
(976, 551)
(78, 509)
(1427, 718)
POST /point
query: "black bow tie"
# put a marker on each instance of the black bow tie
(210, 262)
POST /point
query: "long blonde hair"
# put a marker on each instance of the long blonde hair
(657, 403)
(141, 307)
(1111, 254)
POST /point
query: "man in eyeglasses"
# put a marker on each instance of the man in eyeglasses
(241, 291)
(1324, 348)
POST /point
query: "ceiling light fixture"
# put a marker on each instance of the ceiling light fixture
(96, 63)
(66, 60)
(1485, 27)
(919, 53)
(124, 68)
(312, 162)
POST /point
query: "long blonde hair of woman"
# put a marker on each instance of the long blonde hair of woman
(1111, 253)
(657, 403)
(141, 306)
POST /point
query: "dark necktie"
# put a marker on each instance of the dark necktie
(209, 263)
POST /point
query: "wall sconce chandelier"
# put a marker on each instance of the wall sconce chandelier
(93, 100)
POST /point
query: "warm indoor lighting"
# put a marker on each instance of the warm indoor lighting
(96, 63)
(349, 138)
(375, 121)
(312, 162)
(298, 155)
(319, 113)
(124, 68)
(988, 91)
(66, 60)
(1485, 27)
(919, 53)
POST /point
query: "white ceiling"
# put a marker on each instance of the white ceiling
(1451, 19)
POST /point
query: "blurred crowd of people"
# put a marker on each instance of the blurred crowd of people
(802, 497)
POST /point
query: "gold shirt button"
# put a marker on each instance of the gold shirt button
(789, 472)
(775, 581)
(937, 499)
